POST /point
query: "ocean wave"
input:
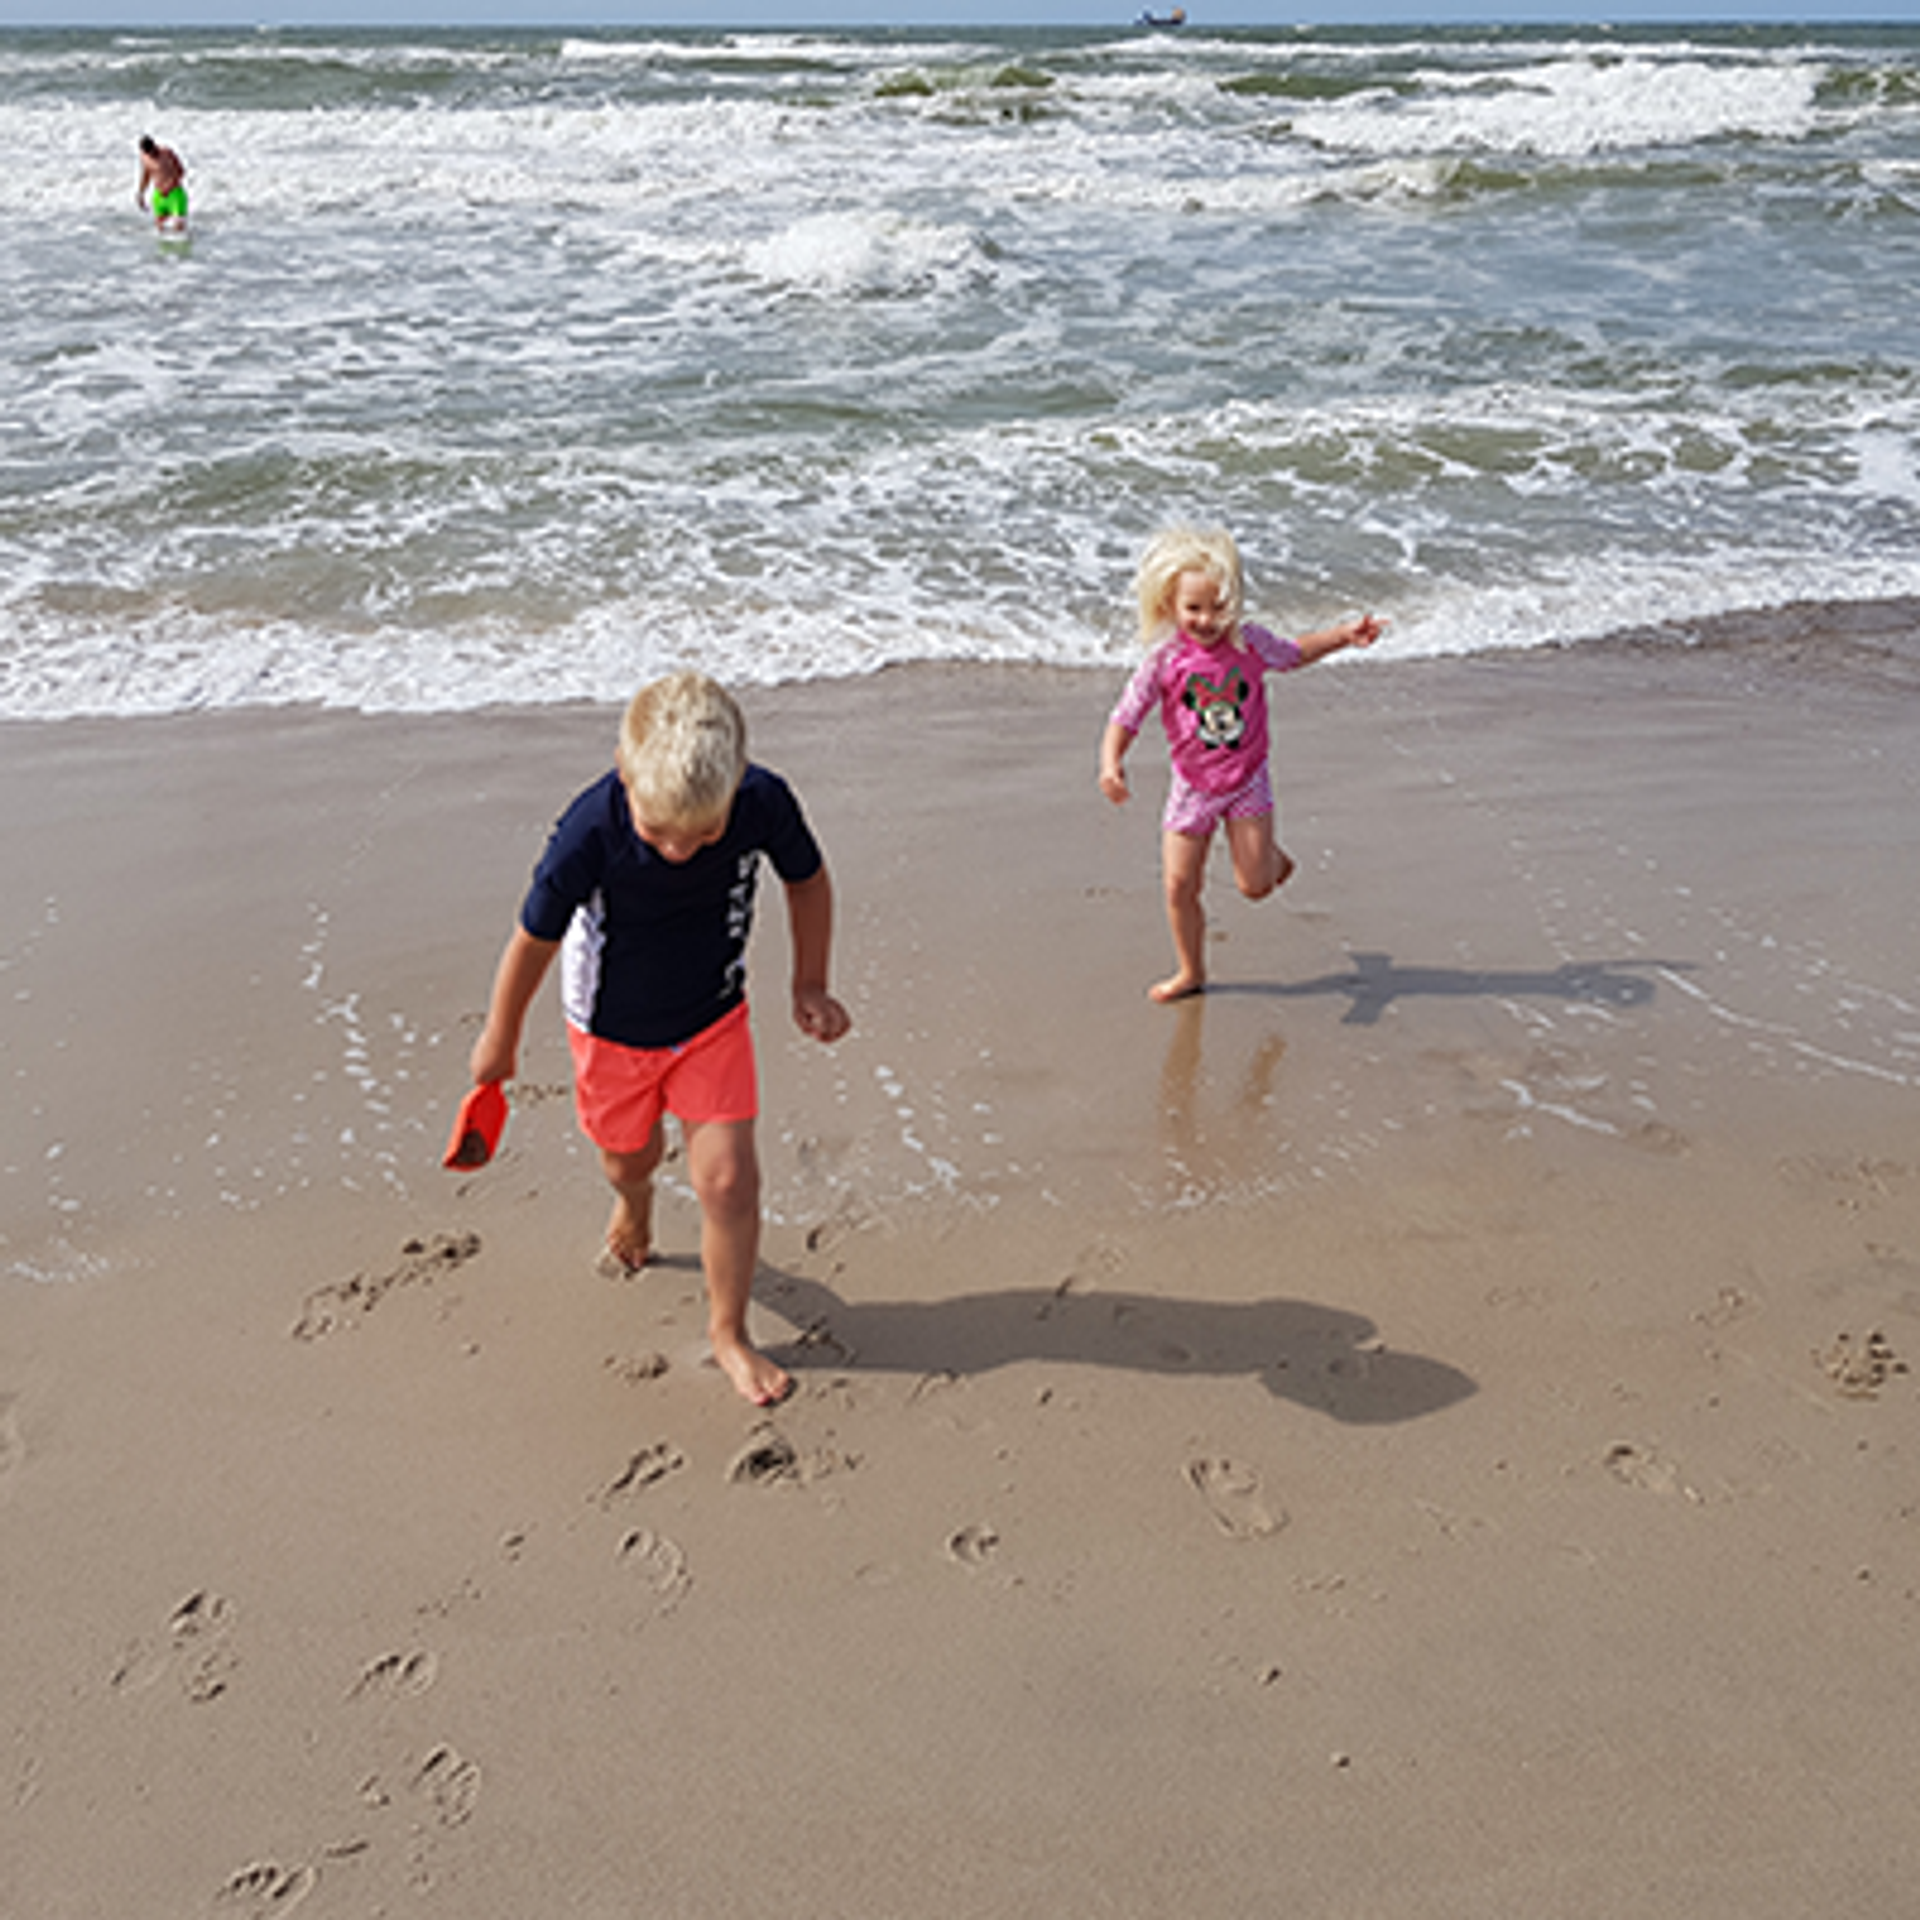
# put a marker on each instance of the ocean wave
(172, 660)
(503, 365)
(1573, 108)
(857, 251)
(400, 131)
(807, 527)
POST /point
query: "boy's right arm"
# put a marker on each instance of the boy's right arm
(524, 964)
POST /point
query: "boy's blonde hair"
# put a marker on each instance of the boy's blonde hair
(683, 749)
(1178, 550)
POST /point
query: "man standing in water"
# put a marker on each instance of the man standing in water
(166, 173)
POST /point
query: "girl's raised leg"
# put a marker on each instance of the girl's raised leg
(1260, 864)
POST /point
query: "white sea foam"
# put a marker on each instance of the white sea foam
(1887, 464)
(1575, 108)
(503, 368)
(862, 252)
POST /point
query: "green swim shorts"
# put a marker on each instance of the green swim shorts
(170, 206)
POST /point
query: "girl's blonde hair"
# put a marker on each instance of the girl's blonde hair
(1178, 550)
(683, 749)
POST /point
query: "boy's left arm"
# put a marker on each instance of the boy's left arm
(810, 923)
(1360, 632)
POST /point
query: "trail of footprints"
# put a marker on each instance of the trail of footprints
(195, 1652)
(439, 1786)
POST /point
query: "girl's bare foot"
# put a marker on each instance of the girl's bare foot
(1282, 868)
(1177, 986)
(755, 1377)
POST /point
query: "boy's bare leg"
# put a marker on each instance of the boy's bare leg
(725, 1169)
(630, 1228)
(1183, 866)
(1260, 864)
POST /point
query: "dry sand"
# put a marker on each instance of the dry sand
(1424, 1430)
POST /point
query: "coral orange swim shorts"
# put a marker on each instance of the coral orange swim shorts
(620, 1092)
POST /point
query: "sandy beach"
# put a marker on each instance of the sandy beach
(1426, 1429)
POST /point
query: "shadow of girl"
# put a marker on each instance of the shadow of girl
(1323, 1358)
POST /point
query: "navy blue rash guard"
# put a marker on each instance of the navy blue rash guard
(654, 952)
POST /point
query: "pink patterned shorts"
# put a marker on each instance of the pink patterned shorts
(1192, 812)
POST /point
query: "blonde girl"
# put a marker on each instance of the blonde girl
(1205, 671)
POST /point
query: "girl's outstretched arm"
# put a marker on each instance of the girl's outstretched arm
(1360, 632)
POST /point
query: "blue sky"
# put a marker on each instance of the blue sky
(907, 13)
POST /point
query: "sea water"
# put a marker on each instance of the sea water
(519, 366)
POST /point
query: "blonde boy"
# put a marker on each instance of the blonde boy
(646, 892)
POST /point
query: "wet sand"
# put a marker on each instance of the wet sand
(1424, 1429)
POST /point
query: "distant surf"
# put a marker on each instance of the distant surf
(510, 367)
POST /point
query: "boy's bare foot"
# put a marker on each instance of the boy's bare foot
(616, 1265)
(1177, 986)
(755, 1377)
(629, 1239)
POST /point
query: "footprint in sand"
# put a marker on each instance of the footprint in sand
(396, 1676)
(636, 1368)
(449, 1784)
(264, 1889)
(1635, 1466)
(649, 1465)
(768, 1458)
(661, 1565)
(1233, 1496)
(818, 1337)
(972, 1546)
(1860, 1368)
(195, 1651)
(347, 1302)
(931, 1384)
